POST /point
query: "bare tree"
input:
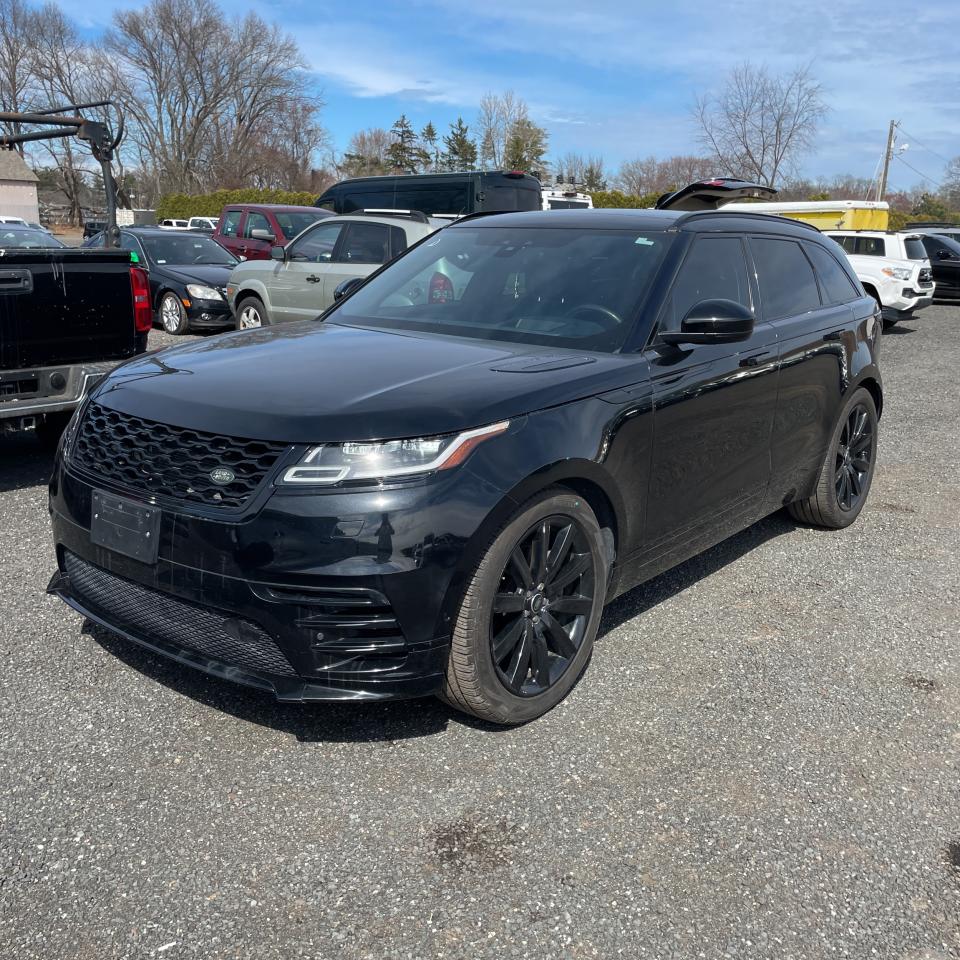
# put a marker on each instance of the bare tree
(367, 154)
(951, 184)
(17, 25)
(499, 114)
(202, 121)
(758, 124)
(650, 175)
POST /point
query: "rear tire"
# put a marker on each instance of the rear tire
(251, 314)
(525, 630)
(173, 318)
(847, 470)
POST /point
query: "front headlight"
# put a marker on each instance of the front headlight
(200, 292)
(898, 273)
(386, 459)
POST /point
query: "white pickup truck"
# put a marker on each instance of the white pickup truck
(893, 268)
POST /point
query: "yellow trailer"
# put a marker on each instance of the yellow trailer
(824, 214)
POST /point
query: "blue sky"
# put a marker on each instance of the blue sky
(618, 78)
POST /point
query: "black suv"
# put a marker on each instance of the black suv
(436, 489)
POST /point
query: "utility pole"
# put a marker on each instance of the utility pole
(886, 160)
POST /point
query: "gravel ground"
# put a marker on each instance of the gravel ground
(762, 761)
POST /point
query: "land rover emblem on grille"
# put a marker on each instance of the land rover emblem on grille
(222, 475)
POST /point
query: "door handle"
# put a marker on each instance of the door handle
(754, 359)
(313, 278)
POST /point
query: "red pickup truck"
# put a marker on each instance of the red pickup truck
(249, 231)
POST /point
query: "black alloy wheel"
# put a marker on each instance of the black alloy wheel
(854, 458)
(847, 470)
(531, 609)
(540, 611)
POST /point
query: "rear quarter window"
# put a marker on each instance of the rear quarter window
(788, 287)
(837, 287)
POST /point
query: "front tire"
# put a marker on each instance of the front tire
(847, 471)
(251, 314)
(173, 318)
(530, 613)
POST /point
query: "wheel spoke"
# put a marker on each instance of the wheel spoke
(541, 659)
(521, 568)
(517, 671)
(573, 570)
(562, 643)
(855, 482)
(561, 547)
(539, 552)
(863, 443)
(842, 488)
(507, 639)
(578, 606)
(861, 463)
(508, 603)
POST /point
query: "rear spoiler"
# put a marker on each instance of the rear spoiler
(713, 194)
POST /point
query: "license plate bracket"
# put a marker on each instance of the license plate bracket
(125, 526)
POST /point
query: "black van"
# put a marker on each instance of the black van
(436, 193)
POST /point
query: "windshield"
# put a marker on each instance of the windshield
(27, 239)
(185, 248)
(561, 288)
(293, 223)
(948, 243)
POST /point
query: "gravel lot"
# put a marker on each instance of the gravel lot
(762, 761)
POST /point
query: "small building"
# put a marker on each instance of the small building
(18, 188)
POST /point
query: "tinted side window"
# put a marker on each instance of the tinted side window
(231, 220)
(255, 221)
(714, 269)
(871, 246)
(366, 243)
(787, 284)
(398, 241)
(317, 245)
(848, 243)
(837, 286)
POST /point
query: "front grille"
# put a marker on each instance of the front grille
(163, 460)
(153, 615)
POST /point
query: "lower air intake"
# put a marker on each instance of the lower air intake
(153, 615)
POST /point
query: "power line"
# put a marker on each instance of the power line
(936, 183)
(923, 146)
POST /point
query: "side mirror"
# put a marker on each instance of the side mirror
(278, 253)
(713, 321)
(346, 287)
(262, 235)
(944, 255)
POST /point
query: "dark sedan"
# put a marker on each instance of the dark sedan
(424, 494)
(188, 276)
(944, 254)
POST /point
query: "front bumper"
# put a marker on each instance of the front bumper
(314, 597)
(38, 391)
(209, 313)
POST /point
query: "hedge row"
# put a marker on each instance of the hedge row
(614, 198)
(182, 206)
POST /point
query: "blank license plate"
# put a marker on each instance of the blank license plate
(125, 526)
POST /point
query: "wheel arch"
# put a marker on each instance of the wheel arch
(573, 476)
(872, 384)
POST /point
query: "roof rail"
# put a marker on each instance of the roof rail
(720, 212)
(418, 215)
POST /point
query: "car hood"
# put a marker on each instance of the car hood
(316, 382)
(212, 274)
